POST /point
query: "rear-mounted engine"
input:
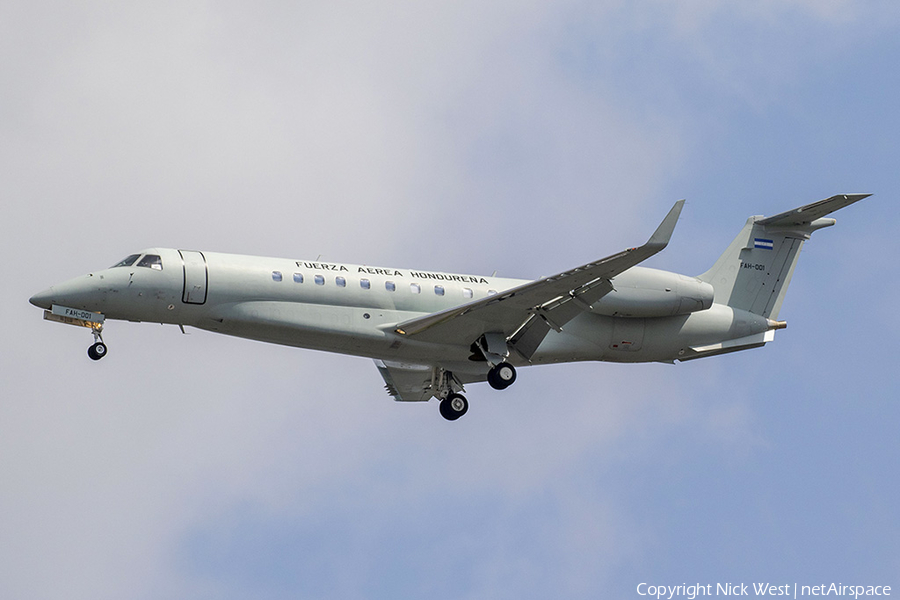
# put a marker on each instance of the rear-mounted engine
(643, 292)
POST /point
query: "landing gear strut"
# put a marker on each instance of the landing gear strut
(98, 349)
(453, 405)
(495, 349)
(502, 376)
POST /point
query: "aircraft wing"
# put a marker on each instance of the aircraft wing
(810, 212)
(526, 313)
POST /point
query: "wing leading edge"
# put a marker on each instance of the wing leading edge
(525, 314)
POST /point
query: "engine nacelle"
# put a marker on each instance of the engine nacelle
(643, 292)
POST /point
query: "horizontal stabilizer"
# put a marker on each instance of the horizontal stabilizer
(809, 213)
(756, 340)
(754, 271)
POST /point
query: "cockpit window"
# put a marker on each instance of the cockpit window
(152, 261)
(126, 262)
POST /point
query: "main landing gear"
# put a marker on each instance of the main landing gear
(502, 376)
(454, 406)
(494, 348)
(98, 349)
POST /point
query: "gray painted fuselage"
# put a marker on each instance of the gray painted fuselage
(242, 298)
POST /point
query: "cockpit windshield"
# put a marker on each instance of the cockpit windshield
(126, 262)
(152, 261)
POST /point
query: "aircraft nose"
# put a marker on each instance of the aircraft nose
(43, 299)
(85, 292)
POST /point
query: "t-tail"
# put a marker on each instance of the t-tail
(754, 272)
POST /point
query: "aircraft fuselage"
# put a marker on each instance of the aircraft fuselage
(352, 309)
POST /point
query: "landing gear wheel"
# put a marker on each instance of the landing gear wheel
(454, 406)
(502, 376)
(97, 351)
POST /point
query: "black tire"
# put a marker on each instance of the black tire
(97, 351)
(502, 376)
(454, 406)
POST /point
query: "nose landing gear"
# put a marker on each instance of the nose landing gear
(81, 318)
(98, 349)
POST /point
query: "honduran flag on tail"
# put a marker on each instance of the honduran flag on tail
(761, 243)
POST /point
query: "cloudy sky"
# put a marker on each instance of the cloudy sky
(522, 137)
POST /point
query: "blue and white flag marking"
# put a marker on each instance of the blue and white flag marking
(761, 243)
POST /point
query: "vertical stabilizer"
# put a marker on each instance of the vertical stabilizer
(754, 272)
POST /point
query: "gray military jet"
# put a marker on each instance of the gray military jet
(430, 333)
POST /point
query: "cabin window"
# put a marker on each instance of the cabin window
(467, 293)
(276, 275)
(320, 280)
(364, 284)
(298, 277)
(152, 261)
(340, 281)
(492, 292)
(390, 286)
(415, 288)
(439, 290)
(126, 262)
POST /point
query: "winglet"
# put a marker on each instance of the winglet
(810, 212)
(660, 237)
